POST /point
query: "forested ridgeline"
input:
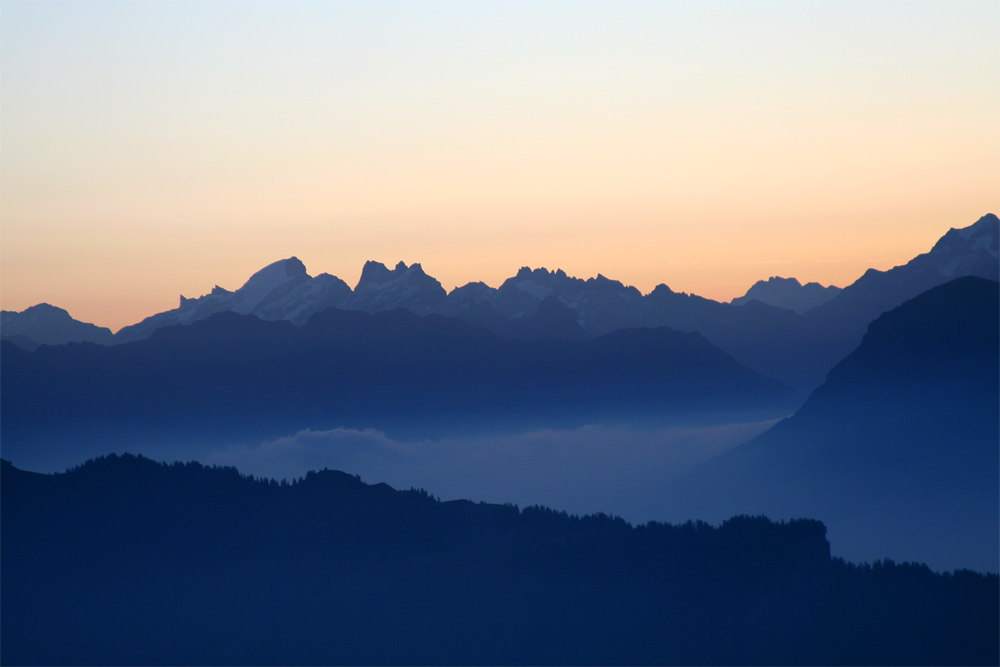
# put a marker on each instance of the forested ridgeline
(125, 560)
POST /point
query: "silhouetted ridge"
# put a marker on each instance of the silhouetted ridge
(47, 325)
(280, 291)
(797, 348)
(788, 293)
(124, 560)
(236, 376)
(403, 287)
(376, 272)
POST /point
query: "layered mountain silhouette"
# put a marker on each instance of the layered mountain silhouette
(788, 293)
(237, 376)
(797, 348)
(279, 291)
(127, 561)
(838, 325)
(47, 325)
(898, 451)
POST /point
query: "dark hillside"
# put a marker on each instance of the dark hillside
(127, 561)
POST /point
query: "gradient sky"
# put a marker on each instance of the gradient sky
(154, 149)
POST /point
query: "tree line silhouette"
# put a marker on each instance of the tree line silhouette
(126, 560)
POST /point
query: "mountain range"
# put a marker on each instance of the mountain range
(123, 560)
(898, 452)
(233, 376)
(791, 332)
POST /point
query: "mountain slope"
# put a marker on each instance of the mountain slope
(126, 561)
(48, 325)
(898, 451)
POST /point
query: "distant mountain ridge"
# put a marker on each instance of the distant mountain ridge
(280, 291)
(898, 451)
(788, 293)
(792, 332)
(48, 325)
(236, 376)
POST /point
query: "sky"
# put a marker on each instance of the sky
(154, 149)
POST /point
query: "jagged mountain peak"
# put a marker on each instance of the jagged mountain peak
(526, 272)
(403, 287)
(780, 280)
(984, 234)
(376, 273)
(972, 250)
(988, 224)
(788, 293)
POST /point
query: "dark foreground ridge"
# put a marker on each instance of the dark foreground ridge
(125, 560)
